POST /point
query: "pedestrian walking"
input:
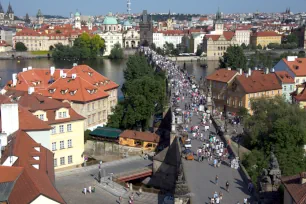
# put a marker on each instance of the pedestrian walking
(227, 186)
(245, 201)
(215, 162)
(220, 196)
(216, 180)
(85, 191)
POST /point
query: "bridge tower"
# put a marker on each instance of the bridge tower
(128, 7)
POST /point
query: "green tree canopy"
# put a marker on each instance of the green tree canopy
(20, 47)
(259, 47)
(199, 52)
(243, 46)
(234, 58)
(292, 39)
(116, 52)
(137, 66)
(278, 126)
(85, 47)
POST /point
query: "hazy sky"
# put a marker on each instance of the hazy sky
(96, 7)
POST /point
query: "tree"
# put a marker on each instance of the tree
(116, 52)
(168, 47)
(51, 47)
(27, 19)
(252, 62)
(20, 47)
(175, 52)
(259, 47)
(243, 46)
(234, 58)
(292, 39)
(278, 126)
(199, 52)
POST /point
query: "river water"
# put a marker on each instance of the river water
(109, 68)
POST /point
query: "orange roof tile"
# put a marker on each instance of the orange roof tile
(295, 188)
(222, 75)
(298, 66)
(143, 136)
(259, 82)
(285, 77)
(265, 34)
(11, 174)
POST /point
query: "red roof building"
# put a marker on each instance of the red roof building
(295, 188)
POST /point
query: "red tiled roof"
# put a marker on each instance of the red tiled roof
(284, 77)
(143, 136)
(259, 82)
(228, 35)
(32, 182)
(222, 75)
(298, 66)
(295, 188)
(11, 174)
(213, 37)
(172, 32)
(34, 102)
(265, 34)
(28, 32)
(300, 96)
(88, 84)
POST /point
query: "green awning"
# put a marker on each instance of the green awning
(106, 132)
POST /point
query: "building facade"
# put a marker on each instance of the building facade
(143, 140)
(7, 18)
(264, 38)
(243, 36)
(110, 23)
(146, 30)
(287, 83)
(131, 38)
(39, 17)
(111, 38)
(196, 41)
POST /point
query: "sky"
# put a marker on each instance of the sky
(101, 7)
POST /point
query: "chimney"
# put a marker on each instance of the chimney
(75, 64)
(255, 68)
(229, 68)
(30, 68)
(24, 69)
(61, 73)
(246, 75)
(303, 177)
(64, 75)
(240, 71)
(10, 118)
(14, 77)
(272, 70)
(52, 70)
(267, 70)
(74, 76)
(31, 90)
(291, 58)
(249, 72)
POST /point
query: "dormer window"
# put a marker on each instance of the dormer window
(90, 73)
(35, 83)
(64, 91)
(92, 91)
(72, 92)
(52, 90)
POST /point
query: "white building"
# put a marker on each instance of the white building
(110, 23)
(158, 39)
(131, 38)
(196, 41)
(77, 20)
(111, 38)
(243, 36)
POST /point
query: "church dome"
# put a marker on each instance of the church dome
(77, 14)
(109, 20)
(127, 23)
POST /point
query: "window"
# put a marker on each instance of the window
(88, 107)
(99, 116)
(89, 119)
(55, 162)
(285, 88)
(93, 106)
(69, 128)
(60, 115)
(53, 146)
(69, 143)
(64, 114)
(62, 160)
(99, 104)
(53, 131)
(61, 128)
(272, 92)
(41, 116)
(62, 146)
(291, 87)
(70, 159)
(93, 118)
(240, 103)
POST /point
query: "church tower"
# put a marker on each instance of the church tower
(89, 24)
(169, 22)
(218, 24)
(40, 17)
(10, 12)
(77, 20)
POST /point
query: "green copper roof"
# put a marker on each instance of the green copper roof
(109, 20)
(107, 132)
(77, 14)
(127, 23)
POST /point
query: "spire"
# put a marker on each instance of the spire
(1, 9)
(169, 14)
(39, 14)
(9, 9)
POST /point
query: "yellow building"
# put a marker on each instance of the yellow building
(299, 96)
(67, 133)
(255, 84)
(265, 38)
(144, 140)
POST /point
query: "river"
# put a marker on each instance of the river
(109, 68)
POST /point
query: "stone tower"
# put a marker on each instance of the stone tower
(77, 20)
(169, 22)
(89, 24)
(146, 30)
(218, 24)
(1, 13)
(40, 17)
(10, 12)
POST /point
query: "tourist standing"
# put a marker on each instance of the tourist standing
(216, 180)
